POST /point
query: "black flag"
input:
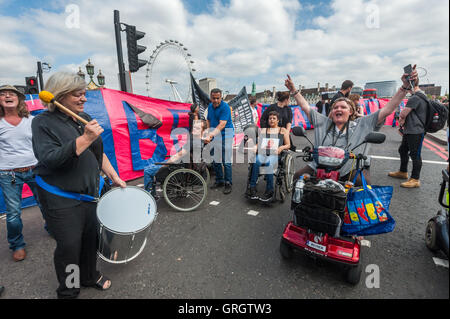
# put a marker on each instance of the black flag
(242, 113)
(199, 97)
(147, 118)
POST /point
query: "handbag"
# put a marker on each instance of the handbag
(367, 210)
(327, 197)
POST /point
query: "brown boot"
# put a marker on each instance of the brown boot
(411, 183)
(401, 175)
(19, 255)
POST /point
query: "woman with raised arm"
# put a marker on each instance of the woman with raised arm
(339, 130)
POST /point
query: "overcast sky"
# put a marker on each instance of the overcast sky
(237, 42)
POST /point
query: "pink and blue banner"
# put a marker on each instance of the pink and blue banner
(130, 144)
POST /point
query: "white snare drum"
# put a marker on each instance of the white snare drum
(125, 216)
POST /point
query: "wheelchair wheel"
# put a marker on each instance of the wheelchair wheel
(279, 190)
(206, 176)
(289, 172)
(185, 189)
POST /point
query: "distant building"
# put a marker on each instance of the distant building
(385, 89)
(311, 95)
(431, 89)
(357, 90)
(207, 84)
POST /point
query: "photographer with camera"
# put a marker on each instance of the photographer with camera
(411, 121)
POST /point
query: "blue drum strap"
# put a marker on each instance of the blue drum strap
(59, 192)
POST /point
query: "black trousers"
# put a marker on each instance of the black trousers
(411, 146)
(76, 233)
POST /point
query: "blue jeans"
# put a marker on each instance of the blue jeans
(149, 176)
(270, 162)
(227, 157)
(12, 193)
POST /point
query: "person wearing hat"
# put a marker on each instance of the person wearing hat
(17, 161)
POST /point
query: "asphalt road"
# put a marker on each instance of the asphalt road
(224, 252)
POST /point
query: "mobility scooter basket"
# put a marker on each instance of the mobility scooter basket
(321, 208)
(318, 219)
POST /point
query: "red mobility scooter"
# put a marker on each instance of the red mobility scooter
(319, 214)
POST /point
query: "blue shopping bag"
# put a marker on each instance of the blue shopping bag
(367, 210)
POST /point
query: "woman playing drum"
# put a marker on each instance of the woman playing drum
(70, 156)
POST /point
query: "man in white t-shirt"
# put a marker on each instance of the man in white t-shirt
(17, 161)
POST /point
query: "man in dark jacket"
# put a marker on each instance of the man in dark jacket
(345, 90)
(411, 121)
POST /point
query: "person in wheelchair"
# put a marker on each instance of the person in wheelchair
(272, 141)
(160, 171)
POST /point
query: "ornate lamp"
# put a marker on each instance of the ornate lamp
(101, 78)
(80, 73)
(90, 69)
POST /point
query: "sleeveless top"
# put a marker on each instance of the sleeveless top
(271, 142)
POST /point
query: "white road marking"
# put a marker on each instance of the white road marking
(140, 185)
(252, 213)
(214, 203)
(397, 159)
(440, 262)
(365, 242)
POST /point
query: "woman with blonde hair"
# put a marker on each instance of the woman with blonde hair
(70, 156)
(17, 162)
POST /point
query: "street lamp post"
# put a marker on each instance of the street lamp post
(90, 69)
(41, 67)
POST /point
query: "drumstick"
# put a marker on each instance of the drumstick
(48, 97)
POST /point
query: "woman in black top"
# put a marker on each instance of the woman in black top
(282, 108)
(70, 156)
(284, 113)
(271, 142)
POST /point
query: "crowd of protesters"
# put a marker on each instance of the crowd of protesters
(55, 149)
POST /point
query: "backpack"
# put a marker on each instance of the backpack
(437, 115)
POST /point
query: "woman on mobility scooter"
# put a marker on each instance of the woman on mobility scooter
(272, 142)
(340, 131)
(316, 229)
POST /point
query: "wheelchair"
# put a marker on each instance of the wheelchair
(283, 175)
(184, 186)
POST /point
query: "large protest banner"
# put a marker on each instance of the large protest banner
(128, 141)
(138, 130)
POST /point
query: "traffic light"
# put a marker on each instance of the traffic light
(134, 49)
(31, 85)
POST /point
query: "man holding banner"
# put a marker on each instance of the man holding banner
(221, 134)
